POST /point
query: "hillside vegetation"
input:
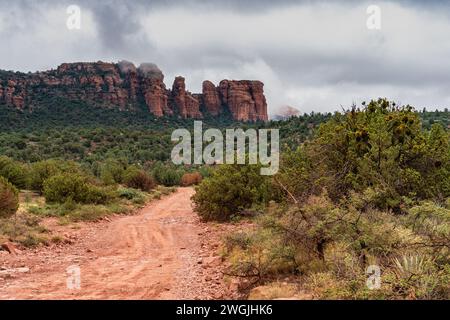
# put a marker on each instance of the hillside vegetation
(370, 189)
(366, 187)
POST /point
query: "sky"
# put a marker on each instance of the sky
(313, 55)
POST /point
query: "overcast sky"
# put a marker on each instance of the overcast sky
(313, 55)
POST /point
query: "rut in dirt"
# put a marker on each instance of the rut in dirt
(151, 255)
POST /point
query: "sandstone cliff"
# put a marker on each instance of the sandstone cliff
(124, 86)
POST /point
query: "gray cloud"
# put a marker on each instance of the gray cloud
(315, 55)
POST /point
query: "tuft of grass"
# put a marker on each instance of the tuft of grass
(274, 290)
(23, 228)
(57, 239)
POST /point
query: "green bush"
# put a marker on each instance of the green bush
(138, 179)
(127, 193)
(62, 187)
(74, 187)
(230, 189)
(136, 196)
(167, 175)
(112, 171)
(42, 170)
(14, 172)
(99, 195)
(9, 199)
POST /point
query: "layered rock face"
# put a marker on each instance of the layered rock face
(211, 99)
(12, 93)
(245, 99)
(124, 86)
(188, 106)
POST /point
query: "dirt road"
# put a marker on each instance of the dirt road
(156, 254)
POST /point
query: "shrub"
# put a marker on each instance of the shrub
(14, 172)
(23, 229)
(259, 254)
(417, 276)
(42, 170)
(379, 146)
(138, 179)
(189, 179)
(9, 198)
(205, 171)
(62, 187)
(112, 171)
(136, 196)
(74, 187)
(230, 189)
(127, 193)
(98, 195)
(167, 175)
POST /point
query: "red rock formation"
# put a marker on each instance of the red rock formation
(123, 85)
(13, 93)
(186, 104)
(132, 82)
(155, 95)
(211, 99)
(245, 99)
(154, 90)
(257, 92)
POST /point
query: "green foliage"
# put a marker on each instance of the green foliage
(205, 171)
(74, 130)
(65, 187)
(429, 118)
(13, 171)
(128, 193)
(167, 175)
(369, 188)
(230, 189)
(432, 223)
(136, 196)
(42, 170)
(381, 147)
(9, 199)
(417, 276)
(74, 187)
(99, 195)
(112, 171)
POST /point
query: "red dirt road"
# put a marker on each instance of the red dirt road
(156, 254)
